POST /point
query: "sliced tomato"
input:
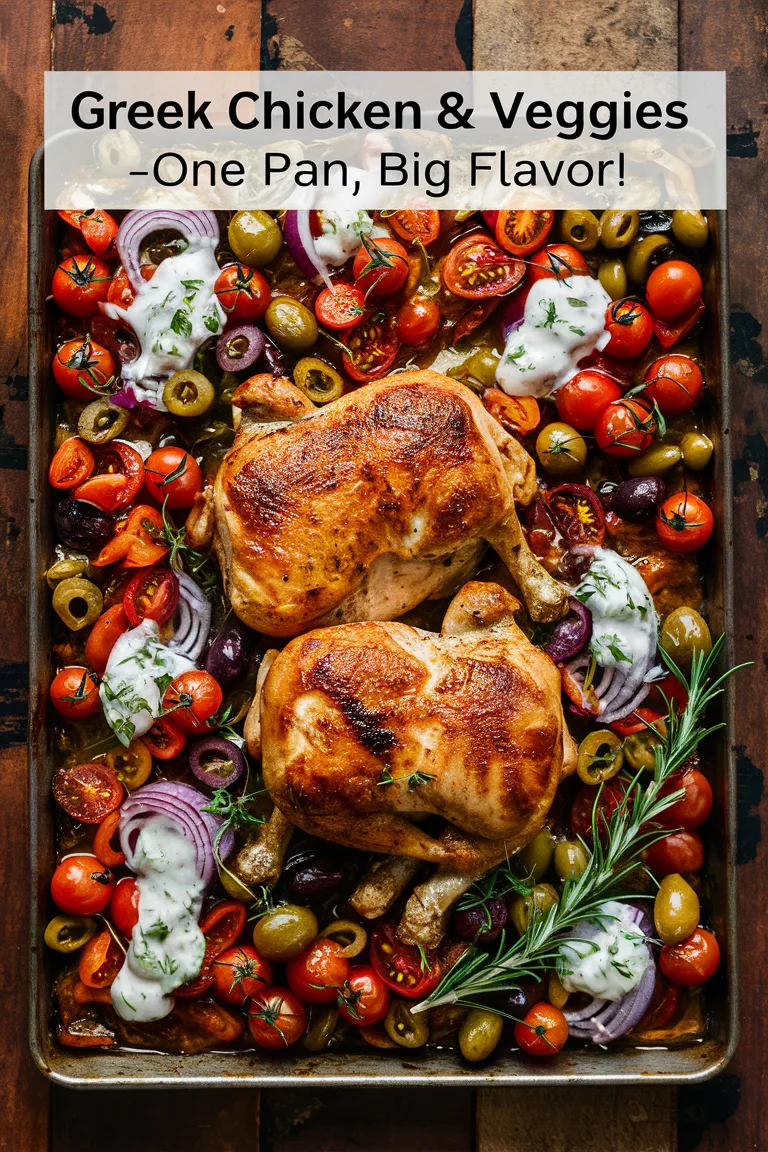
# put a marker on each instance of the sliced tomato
(663, 1006)
(221, 926)
(668, 332)
(151, 595)
(477, 267)
(518, 414)
(578, 513)
(104, 635)
(373, 346)
(341, 308)
(402, 968)
(100, 961)
(103, 842)
(87, 792)
(71, 465)
(108, 492)
(416, 224)
(476, 316)
(165, 739)
(522, 231)
(98, 228)
(213, 1019)
(637, 721)
(116, 479)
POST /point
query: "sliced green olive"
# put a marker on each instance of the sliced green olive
(690, 228)
(537, 904)
(580, 228)
(570, 859)
(188, 393)
(675, 910)
(68, 933)
(317, 380)
(684, 632)
(254, 237)
(407, 1029)
(655, 460)
(613, 276)
(639, 751)
(697, 450)
(480, 1034)
(561, 449)
(536, 857)
(644, 254)
(285, 932)
(101, 422)
(291, 324)
(322, 1025)
(65, 570)
(618, 229)
(600, 756)
(353, 937)
(77, 602)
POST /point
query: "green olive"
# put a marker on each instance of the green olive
(536, 857)
(570, 859)
(618, 229)
(319, 382)
(353, 937)
(65, 570)
(537, 904)
(690, 228)
(235, 887)
(645, 254)
(580, 228)
(556, 994)
(481, 366)
(68, 933)
(408, 1029)
(323, 1019)
(254, 237)
(291, 324)
(77, 602)
(480, 1033)
(685, 631)
(188, 393)
(697, 450)
(600, 756)
(655, 460)
(675, 909)
(285, 932)
(561, 449)
(101, 422)
(639, 751)
(613, 276)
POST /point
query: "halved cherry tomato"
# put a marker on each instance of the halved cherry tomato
(85, 995)
(629, 324)
(477, 267)
(342, 308)
(132, 764)
(693, 809)
(664, 1005)
(518, 414)
(103, 847)
(98, 228)
(474, 317)
(373, 346)
(625, 428)
(637, 721)
(693, 962)
(211, 1019)
(522, 230)
(172, 474)
(415, 224)
(120, 290)
(401, 967)
(678, 852)
(72, 464)
(87, 792)
(152, 594)
(74, 693)
(674, 383)
(559, 261)
(418, 320)
(380, 267)
(116, 478)
(673, 289)
(165, 740)
(577, 512)
(139, 542)
(83, 369)
(243, 292)
(669, 689)
(81, 885)
(221, 926)
(195, 697)
(684, 522)
(100, 961)
(364, 998)
(108, 491)
(80, 283)
(124, 905)
(239, 973)
(276, 1018)
(317, 974)
(604, 801)
(668, 332)
(584, 397)
(543, 1032)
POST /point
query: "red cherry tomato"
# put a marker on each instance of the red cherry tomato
(100, 961)
(342, 308)
(522, 231)
(116, 478)
(365, 997)
(416, 224)
(543, 1032)
(373, 346)
(152, 594)
(664, 1005)
(81, 885)
(585, 397)
(80, 283)
(637, 721)
(684, 522)
(104, 635)
(195, 698)
(165, 740)
(679, 852)
(124, 905)
(240, 973)
(629, 324)
(693, 962)
(694, 808)
(83, 369)
(380, 267)
(97, 228)
(222, 925)
(401, 967)
(317, 974)
(477, 267)
(604, 801)
(417, 321)
(105, 846)
(71, 465)
(673, 288)
(87, 792)
(674, 383)
(172, 474)
(243, 293)
(74, 693)
(276, 1018)
(559, 261)
(625, 428)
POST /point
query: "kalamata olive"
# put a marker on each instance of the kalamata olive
(228, 654)
(484, 921)
(521, 997)
(82, 526)
(315, 878)
(638, 499)
(216, 762)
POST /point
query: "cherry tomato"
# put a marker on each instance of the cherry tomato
(402, 968)
(522, 231)
(477, 267)
(664, 1005)
(152, 594)
(625, 428)
(104, 846)
(81, 885)
(100, 961)
(678, 852)
(195, 698)
(416, 224)
(629, 324)
(668, 332)
(605, 800)
(80, 283)
(365, 997)
(543, 1032)
(121, 290)
(165, 740)
(276, 1018)
(558, 261)
(519, 414)
(87, 792)
(417, 321)
(83, 369)
(116, 478)
(139, 544)
(172, 474)
(104, 635)
(693, 962)
(240, 973)
(97, 227)
(373, 346)
(577, 513)
(318, 973)
(583, 398)
(71, 465)
(74, 693)
(342, 308)
(674, 383)
(684, 522)
(221, 926)
(694, 808)
(243, 292)
(636, 721)
(673, 288)
(474, 317)
(124, 905)
(381, 267)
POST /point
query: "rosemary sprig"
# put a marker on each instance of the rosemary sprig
(610, 866)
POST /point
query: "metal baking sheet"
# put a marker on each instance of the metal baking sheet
(94, 1069)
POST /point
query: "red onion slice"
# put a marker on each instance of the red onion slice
(224, 751)
(301, 245)
(571, 636)
(179, 802)
(514, 313)
(139, 224)
(255, 344)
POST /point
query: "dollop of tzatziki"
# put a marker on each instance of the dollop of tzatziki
(624, 620)
(138, 672)
(564, 321)
(605, 956)
(342, 234)
(167, 946)
(172, 315)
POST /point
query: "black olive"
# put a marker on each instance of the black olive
(82, 526)
(521, 997)
(315, 878)
(473, 923)
(228, 655)
(638, 499)
(655, 222)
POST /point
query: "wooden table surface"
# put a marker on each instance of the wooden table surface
(729, 1114)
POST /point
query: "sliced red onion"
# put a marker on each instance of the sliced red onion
(301, 245)
(192, 620)
(229, 359)
(216, 762)
(571, 636)
(514, 313)
(139, 224)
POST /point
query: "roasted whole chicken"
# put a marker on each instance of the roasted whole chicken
(364, 508)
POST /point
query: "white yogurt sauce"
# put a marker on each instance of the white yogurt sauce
(605, 957)
(138, 671)
(167, 946)
(562, 323)
(624, 620)
(342, 232)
